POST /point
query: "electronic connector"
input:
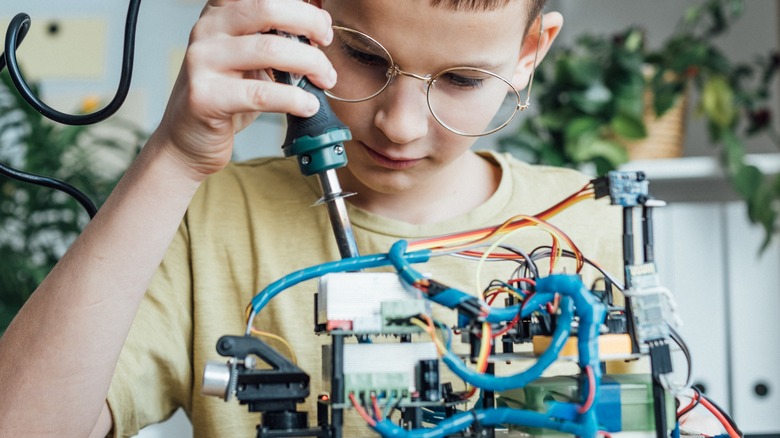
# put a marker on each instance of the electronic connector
(369, 302)
(627, 189)
(652, 305)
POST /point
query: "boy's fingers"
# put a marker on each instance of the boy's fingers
(246, 96)
(244, 17)
(261, 51)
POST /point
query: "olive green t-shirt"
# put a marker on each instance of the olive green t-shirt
(252, 223)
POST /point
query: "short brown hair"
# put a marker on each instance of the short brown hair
(534, 6)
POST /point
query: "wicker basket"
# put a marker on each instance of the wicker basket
(665, 134)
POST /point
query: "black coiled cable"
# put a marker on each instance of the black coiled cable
(17, 30)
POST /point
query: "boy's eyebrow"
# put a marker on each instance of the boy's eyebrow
(482, 65)
(485, 65)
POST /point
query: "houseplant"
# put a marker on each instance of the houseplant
(37, 224)
(592, 99)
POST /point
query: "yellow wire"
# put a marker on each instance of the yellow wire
(484, 348)
(278, 338)
(556, 234)
(540, 223)
(502, 289)
(439, 346)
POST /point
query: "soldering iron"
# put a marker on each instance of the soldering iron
(317, 142)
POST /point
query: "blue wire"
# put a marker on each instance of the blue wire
(486, 417)
(520, 380)
(345, 265)
(450, 297)
(576, 299)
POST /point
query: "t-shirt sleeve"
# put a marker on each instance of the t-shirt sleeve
(153, 377)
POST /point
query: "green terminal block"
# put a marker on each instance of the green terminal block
(625, 401)
(378, 383)
(395, 315)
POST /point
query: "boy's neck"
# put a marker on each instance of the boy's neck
(447, 195)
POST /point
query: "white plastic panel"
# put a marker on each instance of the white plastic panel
(754, 292)
(690, 256)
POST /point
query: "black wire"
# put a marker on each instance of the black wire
(17, 30)
(19, 25)
(542, 252)
(692, 405)
(527, 260)
(20, 32)
(684, 347)
(725, 415)
(52, 184)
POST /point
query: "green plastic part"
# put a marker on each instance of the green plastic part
(636, 400)
(378, 383)
(320, 153)
(396, 313)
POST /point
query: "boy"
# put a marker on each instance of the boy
(251, 223)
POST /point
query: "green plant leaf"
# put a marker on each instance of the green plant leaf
(588, 148)
(628, 127)
(593, 99)
(581, 127)
(717, 101)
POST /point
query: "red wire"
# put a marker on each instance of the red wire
(522, 280)
(377, 411)
(706, 403)
(508, 327)
(690, 405)
(553, 252)
(591, 390)
(362, 412)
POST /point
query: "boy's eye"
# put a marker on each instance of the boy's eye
(364, 57)
(463, 80)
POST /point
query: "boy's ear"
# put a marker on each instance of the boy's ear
(552, 23)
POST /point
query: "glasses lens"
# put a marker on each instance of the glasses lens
(472, 101)
(362, 65)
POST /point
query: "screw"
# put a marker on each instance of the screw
(305, 160)
(250, 362)
(226, 345)
(338, 149)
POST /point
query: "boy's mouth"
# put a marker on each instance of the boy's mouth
(389, 162)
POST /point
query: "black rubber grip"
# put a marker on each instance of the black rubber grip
(324, 121)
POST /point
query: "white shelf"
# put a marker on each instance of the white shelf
(696, 179)
(697, 168)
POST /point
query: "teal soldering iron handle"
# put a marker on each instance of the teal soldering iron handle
(317, 142)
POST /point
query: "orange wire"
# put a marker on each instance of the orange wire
(495, 255)
(472, 237)
(706, 403)
(362, 412)
(377, 411)
(522, 280)
(553, 254)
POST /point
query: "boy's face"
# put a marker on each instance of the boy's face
(397, 144)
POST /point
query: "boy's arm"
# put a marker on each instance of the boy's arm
(58, 355)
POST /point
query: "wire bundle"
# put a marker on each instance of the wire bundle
(563, 297)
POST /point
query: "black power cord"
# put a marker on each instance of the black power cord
(17, 30)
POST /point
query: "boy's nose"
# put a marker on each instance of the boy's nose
(403, 114)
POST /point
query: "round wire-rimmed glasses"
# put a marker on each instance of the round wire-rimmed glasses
(468, 101)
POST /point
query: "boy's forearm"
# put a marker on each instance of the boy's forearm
(58, 355)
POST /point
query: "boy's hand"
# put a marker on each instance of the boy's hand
(222, 85)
